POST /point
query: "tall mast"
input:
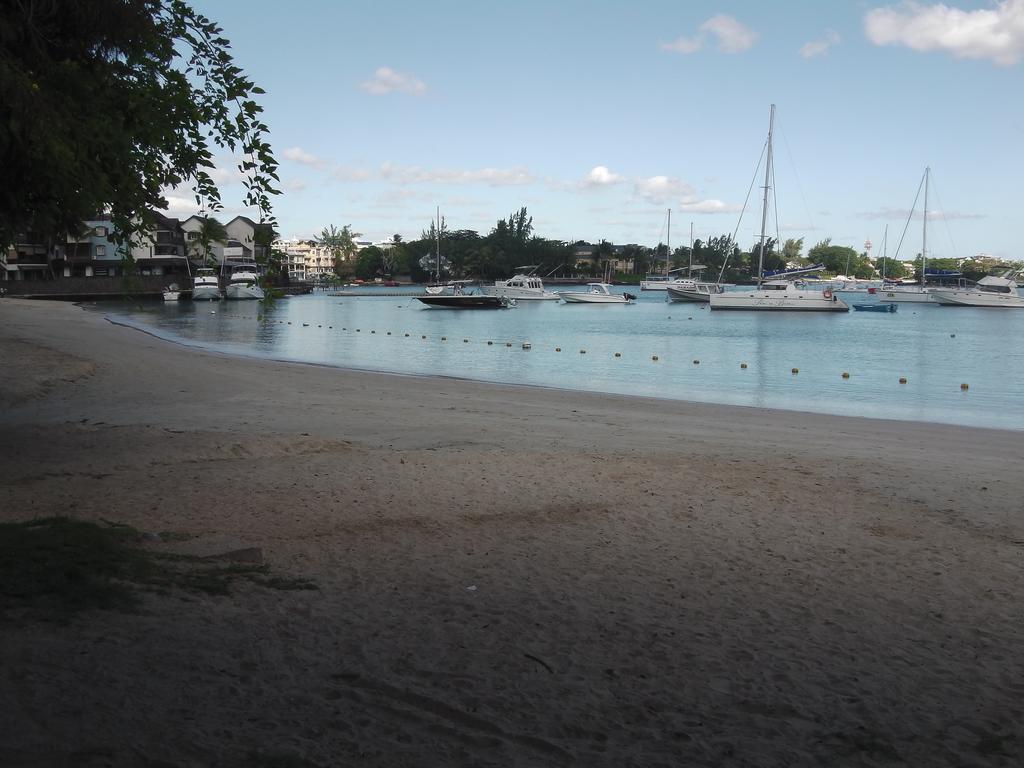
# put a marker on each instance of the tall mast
(885, 242)
(924, 231)
(690, 272)
(668, 243)
(767, 186)
(437, 235)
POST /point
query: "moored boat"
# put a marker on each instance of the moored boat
(244, 284)
(596, 293)
(781, 292)
(693, 290)
(466, 301)
(991, 291)
(205, 285)
(875, 307)
(523, 286)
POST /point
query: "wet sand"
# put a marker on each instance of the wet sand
(508, 576)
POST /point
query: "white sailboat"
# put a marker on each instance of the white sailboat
(436, 288)
(913, 294)
(779, 293)
(689, 288)
(662, 282)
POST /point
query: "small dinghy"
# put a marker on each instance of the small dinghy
(875, 307)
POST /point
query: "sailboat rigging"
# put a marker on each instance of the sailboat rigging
(779, 292)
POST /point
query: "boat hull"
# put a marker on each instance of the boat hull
(875, 307)
(905, 297)
(244, 292)
(589, 298)
(791, 301)
(519, 294)
(978, 299)
(206, 293)
(689, 294)
(474, 301)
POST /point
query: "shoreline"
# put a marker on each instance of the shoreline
(127, 322)
(507, 575)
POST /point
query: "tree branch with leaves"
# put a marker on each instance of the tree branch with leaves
(105, 104)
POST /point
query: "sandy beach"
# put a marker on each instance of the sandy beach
(506, 576)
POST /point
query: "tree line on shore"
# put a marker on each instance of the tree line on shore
(512, 244)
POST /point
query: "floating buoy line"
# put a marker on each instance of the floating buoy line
(526, 345)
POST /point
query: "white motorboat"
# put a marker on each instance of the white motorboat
(205, 285)
(778, 293)
(244, 284)
(522, 287)
(991, 291)
(596, 293)
(693, 290)
(172, 292)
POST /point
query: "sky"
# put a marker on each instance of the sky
(600, 116)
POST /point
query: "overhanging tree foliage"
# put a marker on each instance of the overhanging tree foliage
(106, 103)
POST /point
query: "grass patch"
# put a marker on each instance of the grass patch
(55, 567)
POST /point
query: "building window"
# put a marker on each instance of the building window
(99, 272)
(193, 235)
(100, 231)
(101, 250)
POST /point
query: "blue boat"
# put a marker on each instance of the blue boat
(878, 307)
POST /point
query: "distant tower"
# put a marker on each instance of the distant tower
(867, 248)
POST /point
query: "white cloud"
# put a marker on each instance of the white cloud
(294, 185)
(730, 36)
(386, 80)
(600, 176)
(180, 207)
(661, 189)
(225, 175)
(684, 45)
(995, 33)
(820, 47)
(492, 177)
(709, 206)
(664, 190)
(343, 173)
(301, 156)
(901, 214)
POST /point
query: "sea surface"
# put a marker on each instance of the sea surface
(793, 361)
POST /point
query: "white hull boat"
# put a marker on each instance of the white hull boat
(521, 288)
(780, 295)
(205, 286)
(997, 292)
(909, 295)
(596, 293)
(172, 293)
(244, 285)
(692, 290)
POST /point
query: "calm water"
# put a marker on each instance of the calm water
(935, 348)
